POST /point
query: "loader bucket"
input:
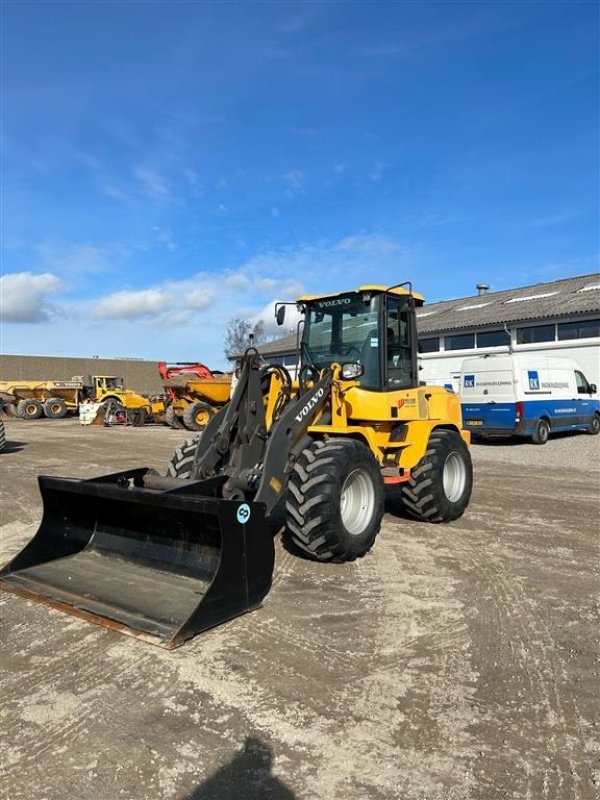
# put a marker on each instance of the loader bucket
(158, 564)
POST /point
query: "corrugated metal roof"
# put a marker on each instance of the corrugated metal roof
(554, 299)
(550, 300)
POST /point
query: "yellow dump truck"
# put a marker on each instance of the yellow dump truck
(194, 401)
(55, 399)
(33, 399)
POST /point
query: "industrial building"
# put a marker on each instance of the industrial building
(559, 318)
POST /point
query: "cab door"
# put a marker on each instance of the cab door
(585, 404)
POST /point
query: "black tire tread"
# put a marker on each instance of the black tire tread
(189, 415)
(48, 408)
(311, 514)
(180, 465)
(421, 495)
(22, 405)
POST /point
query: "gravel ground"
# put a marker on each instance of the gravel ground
(453, 662)
(564, 450)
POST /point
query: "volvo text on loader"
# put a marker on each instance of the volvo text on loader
(165, 557)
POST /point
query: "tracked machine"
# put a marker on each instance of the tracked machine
(165, 557)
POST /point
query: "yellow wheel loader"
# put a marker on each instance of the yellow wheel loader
(111, 390)
(165, 557)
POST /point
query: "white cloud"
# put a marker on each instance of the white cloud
(152, 182)
(133, 305)
(200, 298)
(266, 315)
(23, 296)
(238, 280)
(192, 313)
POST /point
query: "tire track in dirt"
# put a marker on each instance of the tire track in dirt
(530, 650)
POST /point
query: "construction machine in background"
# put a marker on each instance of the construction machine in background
(165, 557)
(195, 394)
(34, 399)
(55, 399)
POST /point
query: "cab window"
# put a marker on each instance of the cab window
(583, 386)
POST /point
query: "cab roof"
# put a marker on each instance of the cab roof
(377, 288)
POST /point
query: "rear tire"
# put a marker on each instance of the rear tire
(593, 428)
(2, 436)
(440, 485)
(197, 416)
(55, 408)
(542, 432)
(180, 465)
(335, 500)
(29, 409)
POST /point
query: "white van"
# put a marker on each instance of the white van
(527, 395)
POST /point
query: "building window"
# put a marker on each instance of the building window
(581, 329)
(290, 360)
(535, 333)
(492, 338)
(462, 341)
(431, 345)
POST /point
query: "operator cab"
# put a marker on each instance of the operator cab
(374, 327)
(109, 383)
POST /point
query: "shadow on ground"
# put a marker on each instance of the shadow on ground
(248, 776)
(12, 447)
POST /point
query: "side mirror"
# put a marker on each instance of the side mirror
(280, 314)
(593, 388)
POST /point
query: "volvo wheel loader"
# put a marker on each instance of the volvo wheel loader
(165, 557)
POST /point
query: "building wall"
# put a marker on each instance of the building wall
(142, 376)
(441, 368)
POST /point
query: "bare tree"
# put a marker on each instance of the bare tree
(237, 336)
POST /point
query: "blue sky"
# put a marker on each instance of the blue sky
(168, 166)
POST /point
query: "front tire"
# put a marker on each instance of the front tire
(335, 500)
(542, 432)
(440, 485)
(29, 409)
(180, 465)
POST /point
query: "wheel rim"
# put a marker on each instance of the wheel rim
(202, 417)
(357, 501)
(455, 477)
(543, 432)
(55, 408)
(30, 409)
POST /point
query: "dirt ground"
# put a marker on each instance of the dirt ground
(452, 662)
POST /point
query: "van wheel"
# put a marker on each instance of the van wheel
(594, 427)
(542, 432)
(335, 500)
(440, 485)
